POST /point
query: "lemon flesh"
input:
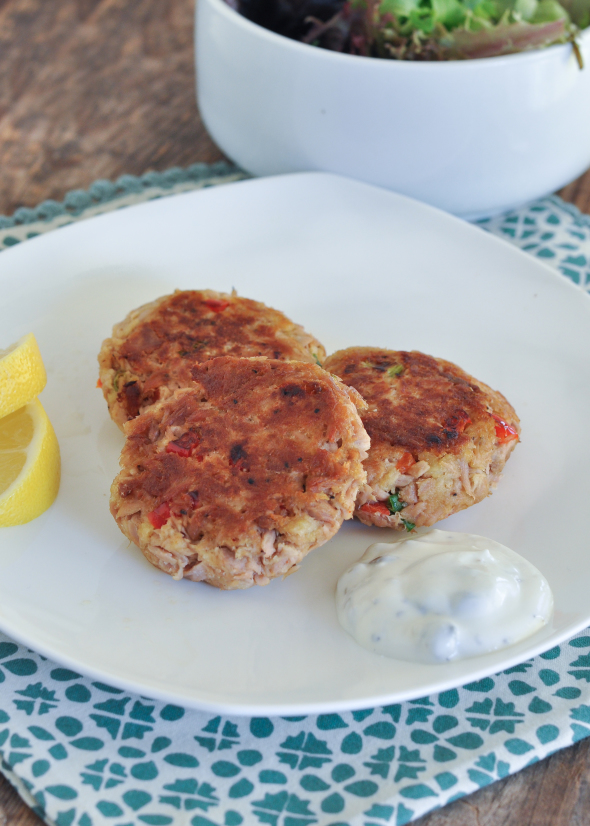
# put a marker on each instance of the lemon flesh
(29, 465)
(22, 374)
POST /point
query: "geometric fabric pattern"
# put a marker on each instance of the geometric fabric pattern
(82, 753)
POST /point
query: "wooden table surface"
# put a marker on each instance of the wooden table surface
(97, 88)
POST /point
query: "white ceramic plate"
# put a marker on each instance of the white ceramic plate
(354, 265)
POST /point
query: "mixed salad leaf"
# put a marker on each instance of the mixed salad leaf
(423, 29)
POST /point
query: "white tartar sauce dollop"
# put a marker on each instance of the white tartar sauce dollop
(441, 596)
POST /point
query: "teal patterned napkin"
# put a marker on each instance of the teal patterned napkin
(552, 230)
(84, 753)
(81, 752)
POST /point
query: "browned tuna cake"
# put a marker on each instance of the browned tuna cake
(154, 350)
(234, 480)
(439, 437)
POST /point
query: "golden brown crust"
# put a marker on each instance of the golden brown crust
(154, 350)
(436, 416)
(258, 462)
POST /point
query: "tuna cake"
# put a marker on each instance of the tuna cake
(232, 481)
(155, 349)
(439, 437)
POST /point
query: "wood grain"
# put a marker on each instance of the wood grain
(554, 792)
(94, 89)
(578, 192)
(98, 88)
(13, 812)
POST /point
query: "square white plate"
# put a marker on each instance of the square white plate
(356, 266)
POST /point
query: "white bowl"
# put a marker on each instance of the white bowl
(474, 137)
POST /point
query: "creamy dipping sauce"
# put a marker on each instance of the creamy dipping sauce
(441, 596)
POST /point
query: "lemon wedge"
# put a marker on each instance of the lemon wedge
(29, 464)
(22, 374)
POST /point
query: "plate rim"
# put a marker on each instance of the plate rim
(291, 708)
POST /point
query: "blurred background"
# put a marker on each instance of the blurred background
(94, 89)
(98, 88)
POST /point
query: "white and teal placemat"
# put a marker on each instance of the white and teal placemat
(549, 228)
(82, 753)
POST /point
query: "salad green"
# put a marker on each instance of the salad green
(425, 29)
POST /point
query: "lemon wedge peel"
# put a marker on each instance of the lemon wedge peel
(22, 374)
(36, 485)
